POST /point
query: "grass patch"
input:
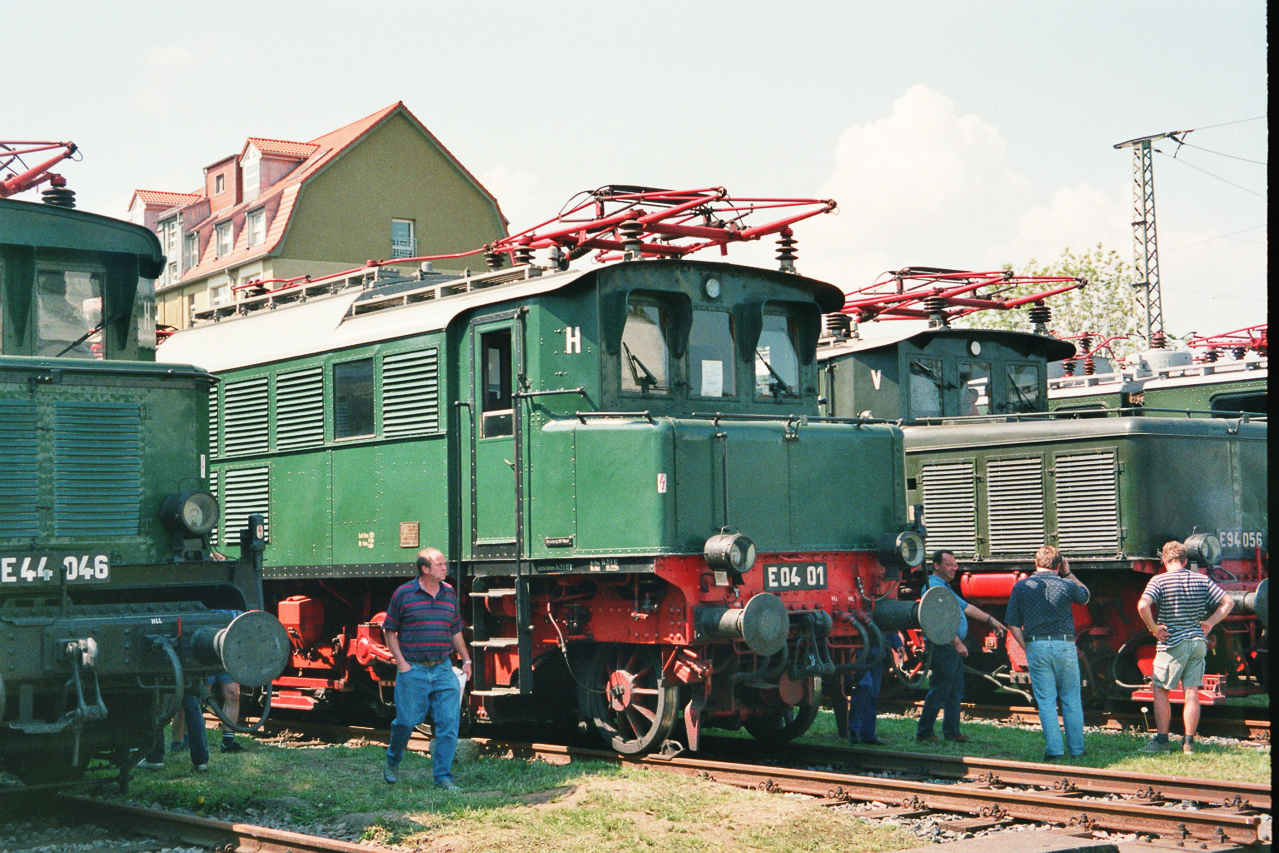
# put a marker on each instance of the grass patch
(505, 805)
(1111, 750)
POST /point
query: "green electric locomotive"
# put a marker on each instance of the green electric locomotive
(996, 475)
(625, 466)
(108, 583)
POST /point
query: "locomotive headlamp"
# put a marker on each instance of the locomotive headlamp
(905, 550)
(729, 549)
(1204, 548)
(194, 512)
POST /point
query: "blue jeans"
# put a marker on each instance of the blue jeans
(945, 692)
(1054, 675)
(424, 689)
(863, 705)
(194, 719)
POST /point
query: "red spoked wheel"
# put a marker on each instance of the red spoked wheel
(628, 699)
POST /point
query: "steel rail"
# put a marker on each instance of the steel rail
(201, 831)
(1223, 824)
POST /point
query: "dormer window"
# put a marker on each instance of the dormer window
(255, 223)
(224, 239)
(219, 184)
(250, 172)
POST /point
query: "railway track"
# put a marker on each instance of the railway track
(1169, 810)
(1244, 724)
(83, 823)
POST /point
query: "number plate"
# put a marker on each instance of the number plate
(53, 567)
(1241, 540)
(780, 577)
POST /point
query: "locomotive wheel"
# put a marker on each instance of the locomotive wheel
(784, 724)
(631, 704)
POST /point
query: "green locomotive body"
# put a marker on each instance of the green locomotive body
(108, 586)
(596, 452)
(996, 475)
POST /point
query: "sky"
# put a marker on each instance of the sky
(966, 134)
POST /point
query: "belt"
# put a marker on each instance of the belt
(430, 661)
(1069, 638)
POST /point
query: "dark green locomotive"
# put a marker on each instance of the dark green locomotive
(996, 476)
(108, 585)
(1166, 383)
(625, 466)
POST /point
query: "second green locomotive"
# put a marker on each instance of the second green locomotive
(625, 465)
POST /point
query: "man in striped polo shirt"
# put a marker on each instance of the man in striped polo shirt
(1175, 607)
(422, 626)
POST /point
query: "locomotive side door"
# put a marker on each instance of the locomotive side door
(496, 351)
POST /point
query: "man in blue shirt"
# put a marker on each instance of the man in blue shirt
(946, 678)
(1040, 606)
(422, 626)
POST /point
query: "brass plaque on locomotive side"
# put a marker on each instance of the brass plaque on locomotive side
(408, 534)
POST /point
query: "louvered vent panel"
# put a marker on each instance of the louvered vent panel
(299, 409)
(410, 393)
(1015, 502)
(215, 535)
(97, 469)
(950, 506)
(19, 470)
(214, 424)
(244, 491)
(245, 415)
(1087, 502)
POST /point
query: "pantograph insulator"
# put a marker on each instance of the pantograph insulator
(1085, 343)
(1158, 340)
(523, 256)
(1090, 366)
(1068, 367)
(1239, 352)
(838, 325)
(1040, 315)
(629, 233)
(786, 253)
(495, 260)
(936, 306)
(59, 196)
(1212, 355)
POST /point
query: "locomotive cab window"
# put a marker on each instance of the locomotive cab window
(777, 358)
(712, 357)
(974, 379)
(69, 314)
(645, 351)
(353, 398)
(1024, 389)
(496, 410)
(925, 387)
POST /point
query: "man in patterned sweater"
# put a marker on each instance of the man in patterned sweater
(1040, 605)
(1173, 607)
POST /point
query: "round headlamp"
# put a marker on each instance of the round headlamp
(194, 512)
(1204, 548)
(905, 550)
(729, 550)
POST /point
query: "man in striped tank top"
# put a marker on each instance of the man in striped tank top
(1176, 608)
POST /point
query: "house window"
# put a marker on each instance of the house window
(257, 227)
(219, 184)
(224, 239)
(403, 241)
(353, 398)
(173, 274)
(249, 172)
(220, 295)
(190, 251)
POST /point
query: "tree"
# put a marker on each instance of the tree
(1106, 308)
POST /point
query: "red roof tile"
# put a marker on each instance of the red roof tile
(281, 147)
(166, 198)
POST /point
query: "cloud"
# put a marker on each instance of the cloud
(927, 185)
(170, 56)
